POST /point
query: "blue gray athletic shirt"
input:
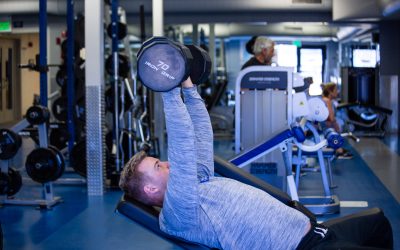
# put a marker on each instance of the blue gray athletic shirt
(214, 211)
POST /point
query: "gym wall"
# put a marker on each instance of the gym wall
(29, 79)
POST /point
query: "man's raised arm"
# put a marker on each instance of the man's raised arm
(181, 198)
(203, 130)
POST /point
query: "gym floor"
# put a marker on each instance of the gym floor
(370, 179)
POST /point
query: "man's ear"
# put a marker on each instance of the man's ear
(150, 189)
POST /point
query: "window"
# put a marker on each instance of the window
(286, 55)
(311, 63)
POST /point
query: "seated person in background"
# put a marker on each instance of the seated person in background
(220, 212)
(263, 50)
(329, 95)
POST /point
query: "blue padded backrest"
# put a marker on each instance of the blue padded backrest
(262, 148)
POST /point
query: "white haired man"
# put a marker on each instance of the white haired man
(263, 50)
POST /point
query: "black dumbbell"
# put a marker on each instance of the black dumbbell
(164, 64)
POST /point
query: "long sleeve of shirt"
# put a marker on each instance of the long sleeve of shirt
(203, 133)
(181, 198)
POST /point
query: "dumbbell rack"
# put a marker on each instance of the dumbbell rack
(48, 199)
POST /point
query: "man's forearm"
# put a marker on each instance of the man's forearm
(203, 130)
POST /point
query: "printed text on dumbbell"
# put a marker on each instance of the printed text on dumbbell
(163, 66)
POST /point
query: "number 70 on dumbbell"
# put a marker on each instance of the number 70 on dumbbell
(161, 65)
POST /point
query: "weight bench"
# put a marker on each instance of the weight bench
(147, 216)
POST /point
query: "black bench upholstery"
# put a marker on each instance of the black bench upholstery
(147, 216)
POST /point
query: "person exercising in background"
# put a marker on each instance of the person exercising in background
(329, 96)
(263, 50)
(215, 211)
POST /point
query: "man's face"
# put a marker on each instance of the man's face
(269, 53)
(157, 172)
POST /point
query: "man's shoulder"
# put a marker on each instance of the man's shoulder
(251, 62)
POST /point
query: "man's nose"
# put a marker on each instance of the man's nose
(165, 164)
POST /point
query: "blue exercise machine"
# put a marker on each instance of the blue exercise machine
(319, 205)
(365, 120)
(297, 107)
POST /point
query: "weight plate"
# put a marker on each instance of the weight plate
(15, 181)
(77, 158)
(10, 142)
(59, 109)
(59, 137)
(37, 115)
(43, 165)
(123, 66)
(122, 30)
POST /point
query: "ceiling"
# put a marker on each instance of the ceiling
(324, 18)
